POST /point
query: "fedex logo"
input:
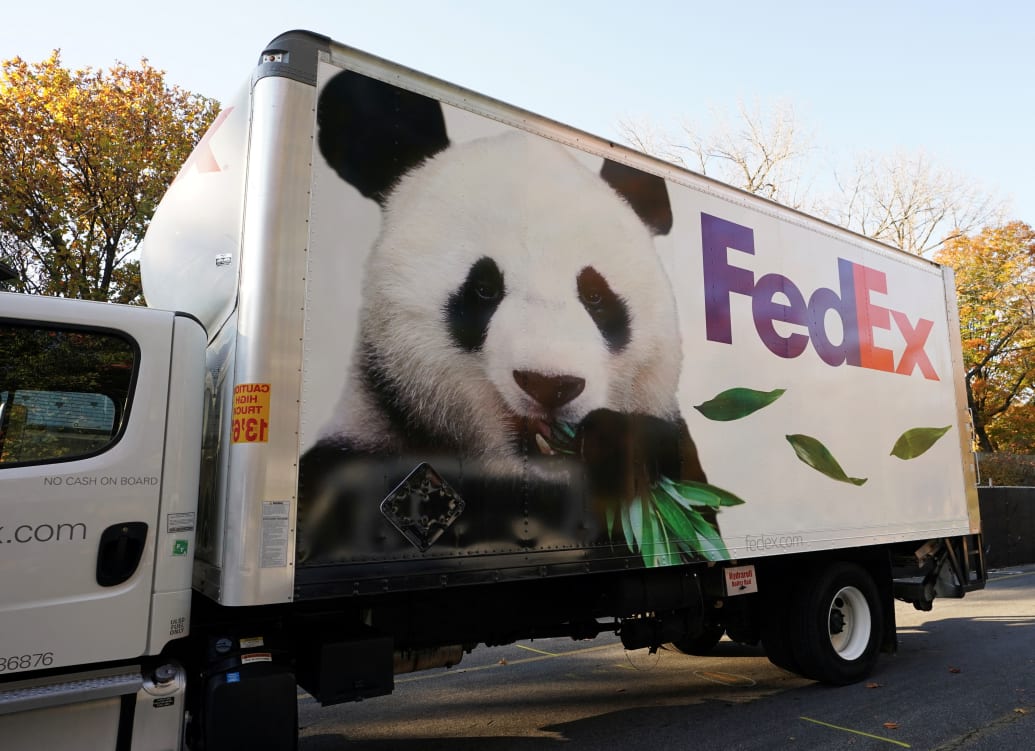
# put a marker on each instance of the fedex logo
(852, 303)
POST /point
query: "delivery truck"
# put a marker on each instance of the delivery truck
(421, 371)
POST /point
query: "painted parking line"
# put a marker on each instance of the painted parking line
(725, 679)
(537, 651)
(855, 732)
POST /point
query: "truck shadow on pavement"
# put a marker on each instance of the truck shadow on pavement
(923, 697)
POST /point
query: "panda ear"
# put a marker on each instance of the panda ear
(645, 193)
(371, 133)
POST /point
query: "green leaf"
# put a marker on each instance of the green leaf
(915, 442)
(674, 515)
(562, 437)
(711, 545)
(692, 493)
(565, 428)
(670, 550)
(817, 456)
(664, 525)
(686, 496)
(631, 523)
(609, 516)
(666, 552)
(693, 533)
(646, 533)
(734, 404)
(659, 541)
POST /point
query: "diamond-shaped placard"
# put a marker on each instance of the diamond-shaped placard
(422, 507)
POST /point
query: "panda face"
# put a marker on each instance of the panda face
(512, 289)
(471, 307)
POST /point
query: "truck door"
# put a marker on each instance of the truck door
(83, 404)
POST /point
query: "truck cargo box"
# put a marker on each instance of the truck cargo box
(454, 342)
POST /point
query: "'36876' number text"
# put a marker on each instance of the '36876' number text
(26, 662)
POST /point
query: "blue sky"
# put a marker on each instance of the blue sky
(952, 78)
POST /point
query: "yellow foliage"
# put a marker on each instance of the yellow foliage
(995, 289)
(84, 158)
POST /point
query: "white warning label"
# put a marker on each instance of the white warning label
(276, 528)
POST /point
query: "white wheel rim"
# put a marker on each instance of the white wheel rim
(849, 623)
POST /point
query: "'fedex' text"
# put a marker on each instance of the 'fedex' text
(851, 303)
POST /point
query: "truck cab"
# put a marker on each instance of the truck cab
(100, 416)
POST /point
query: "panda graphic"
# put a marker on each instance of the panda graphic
(518, 338)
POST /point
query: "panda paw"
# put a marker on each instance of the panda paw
(625, 454)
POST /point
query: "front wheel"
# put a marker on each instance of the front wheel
(837, 621)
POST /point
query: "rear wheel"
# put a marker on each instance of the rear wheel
(836, 621)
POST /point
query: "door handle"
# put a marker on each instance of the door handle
(119, 553)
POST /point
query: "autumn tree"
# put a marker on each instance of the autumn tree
(1014, 430)
(995, 288)
(85, 156)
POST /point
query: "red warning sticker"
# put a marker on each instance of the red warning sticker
(251, 417)
(256, 657)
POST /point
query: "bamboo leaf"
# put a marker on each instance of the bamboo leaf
(663, 525)
(736, 403)
(562, 437)
(659, 546)
(690, 492)
(711, 546)
(687, 496)
(646, 533)
(817, 456)
(915, 442)
(565, 428)
(667, 551)
(695, 535)
(628, 530)
(675, 516)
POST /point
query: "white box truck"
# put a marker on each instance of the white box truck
(447, 373)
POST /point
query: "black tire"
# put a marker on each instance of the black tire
(836, 621)
(703, 644)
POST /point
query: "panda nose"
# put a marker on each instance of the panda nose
(550, 391)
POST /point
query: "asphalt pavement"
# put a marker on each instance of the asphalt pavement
(963, 678)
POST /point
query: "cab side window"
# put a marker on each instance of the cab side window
(64, 393)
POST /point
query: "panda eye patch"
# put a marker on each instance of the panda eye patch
(592, 298)
(487, 290)
(607, 309)
(472, 305)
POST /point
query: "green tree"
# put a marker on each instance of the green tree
(995, 289)
(85, 156)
